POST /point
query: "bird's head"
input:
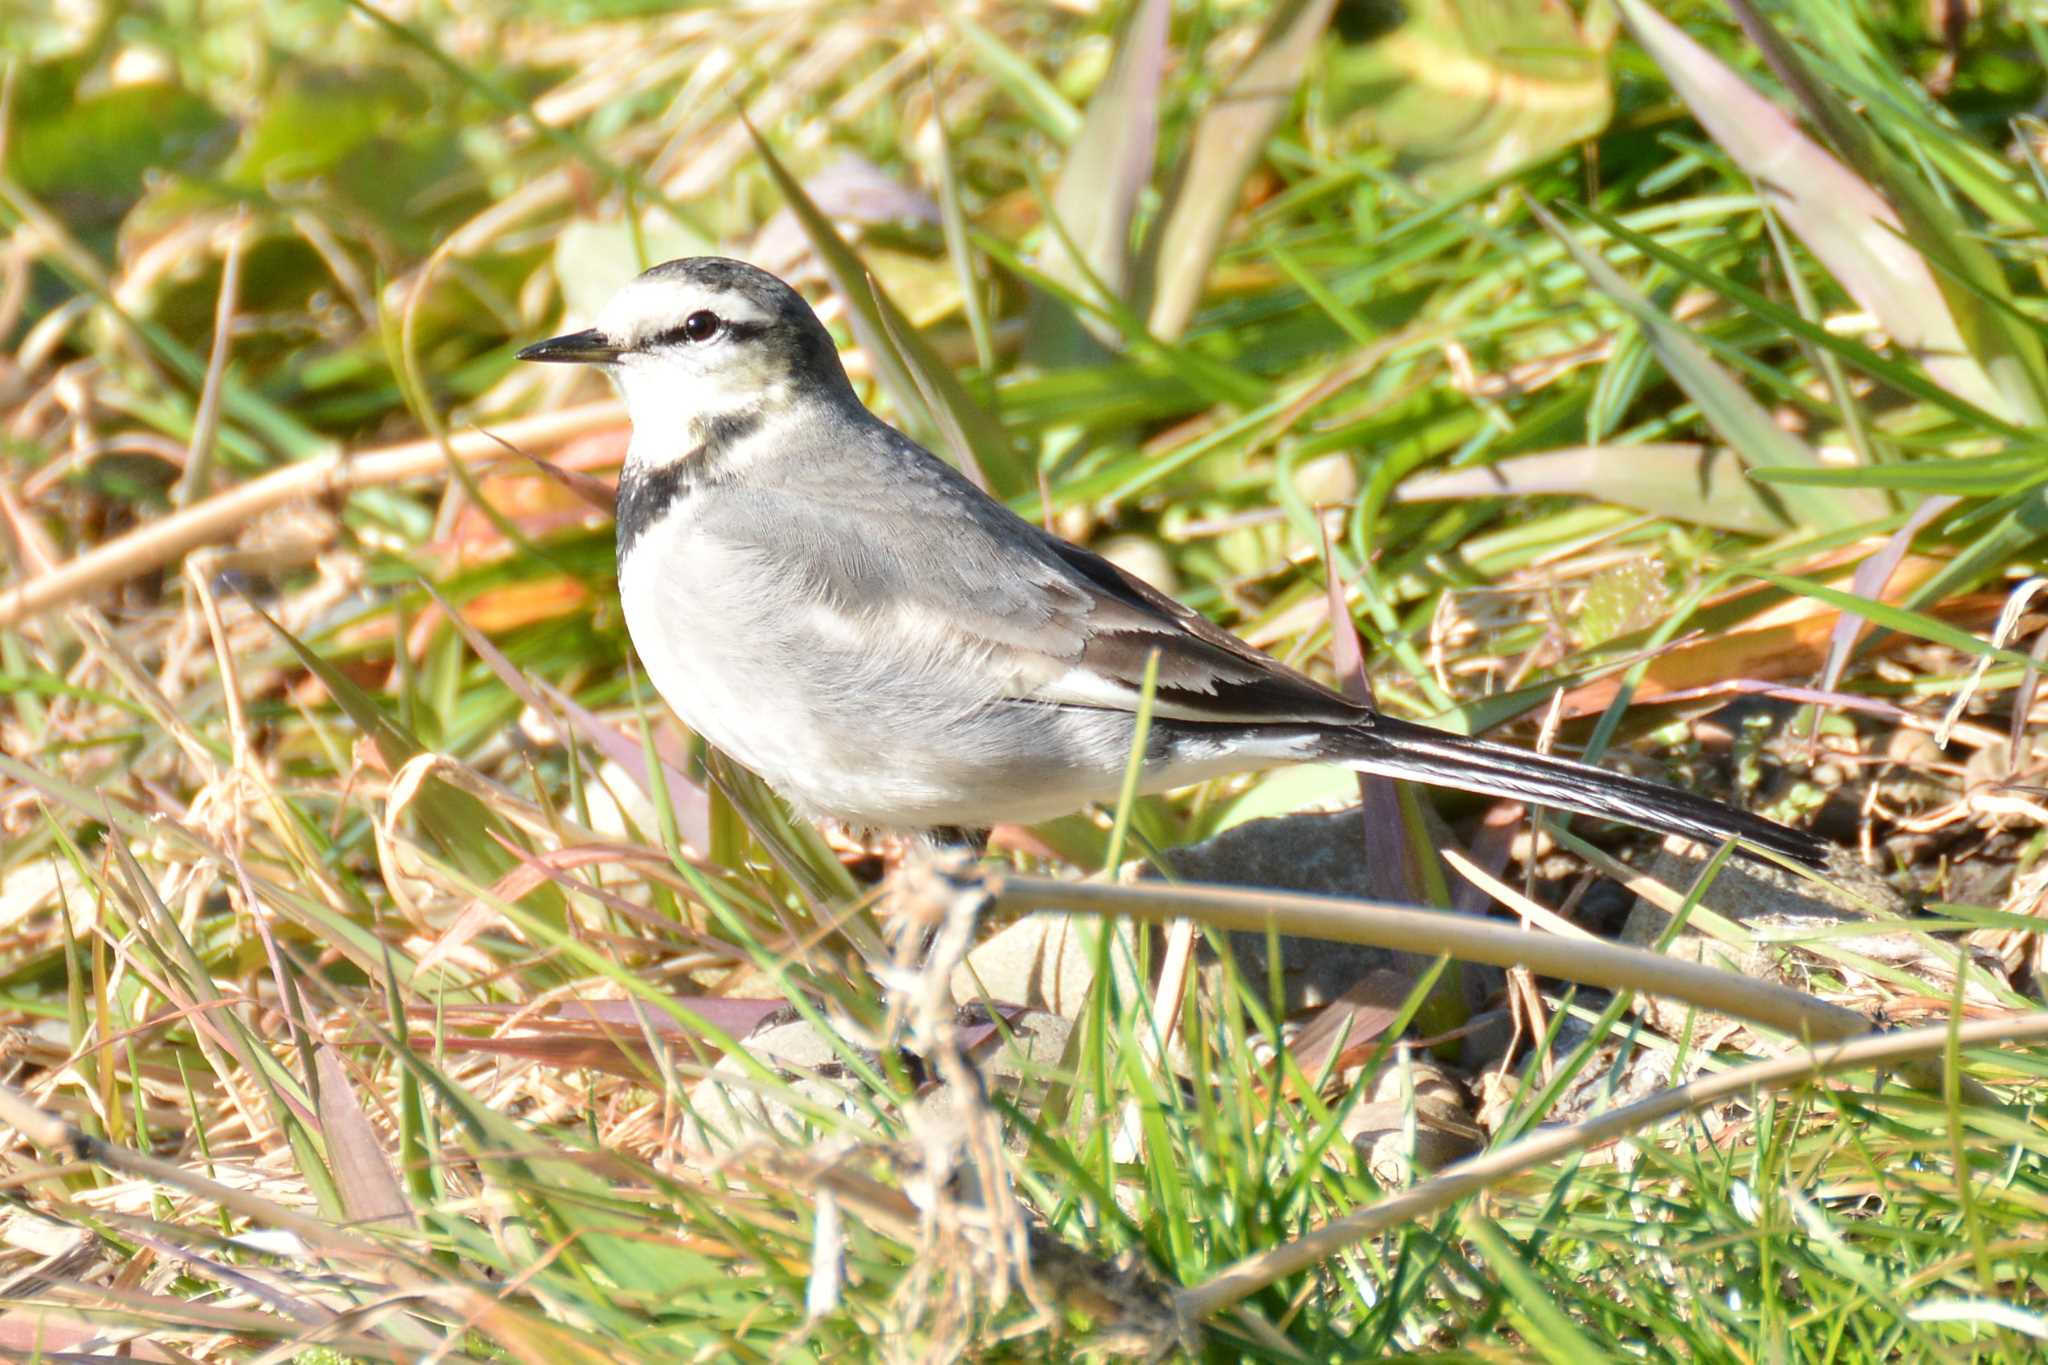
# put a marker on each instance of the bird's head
(703, 340)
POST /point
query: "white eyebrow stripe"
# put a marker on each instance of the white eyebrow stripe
(653, 307)
(735, 308)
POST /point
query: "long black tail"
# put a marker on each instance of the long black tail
(1398, 748)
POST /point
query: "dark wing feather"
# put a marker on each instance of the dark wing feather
(1205, 672)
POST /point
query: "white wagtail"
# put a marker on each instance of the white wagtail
(836, 608)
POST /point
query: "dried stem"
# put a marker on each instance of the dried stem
(224, 515)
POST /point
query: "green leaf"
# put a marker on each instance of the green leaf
(569, 140)
(273, 423)
(96, 150)
(1467, 91)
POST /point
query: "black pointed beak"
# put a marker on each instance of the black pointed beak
(587, 347)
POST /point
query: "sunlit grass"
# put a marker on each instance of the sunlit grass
(347, 860)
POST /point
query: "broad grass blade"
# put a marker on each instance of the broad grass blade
(1847, 224)
(369, 1191)
(1109, 167)
(1727, 407)
(1685, 483)
(1970, 279)
(910, 371)
(1228, 140)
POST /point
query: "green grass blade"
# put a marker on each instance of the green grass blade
(2011, 355)
(1227, 141)
(908, 367)
(1739, 419)
(1846, 224)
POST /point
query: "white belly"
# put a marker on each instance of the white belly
(870, 721)
(688, 604)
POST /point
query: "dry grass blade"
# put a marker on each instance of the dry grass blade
(198, 476)
(2008, 620)
(48, 1130)
(369, 1191)
(1466, 937)
(1532, 913)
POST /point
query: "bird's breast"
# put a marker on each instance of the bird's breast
(702, 622)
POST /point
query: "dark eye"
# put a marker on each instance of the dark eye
(700, 326)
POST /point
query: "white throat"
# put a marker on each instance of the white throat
(676, 413)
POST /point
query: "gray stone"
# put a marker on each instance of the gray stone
(1321, 855)
(1773, 905)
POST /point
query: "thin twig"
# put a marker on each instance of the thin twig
(206, 422)
(1467, 937)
